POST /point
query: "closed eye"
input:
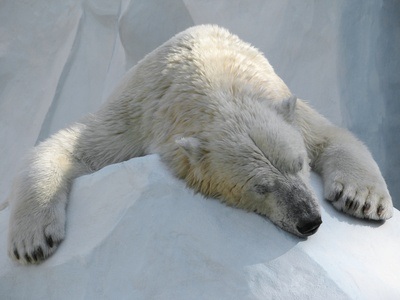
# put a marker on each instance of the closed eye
(263, 189)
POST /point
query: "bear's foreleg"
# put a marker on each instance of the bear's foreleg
(39, 197)
(352, 179)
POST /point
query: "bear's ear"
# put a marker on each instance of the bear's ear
(288, 107)
(191, 147)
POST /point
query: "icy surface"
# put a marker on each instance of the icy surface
(133, 231)
(136, 232)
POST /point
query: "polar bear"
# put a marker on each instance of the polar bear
(220, 118)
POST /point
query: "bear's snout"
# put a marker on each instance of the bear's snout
(309, 227)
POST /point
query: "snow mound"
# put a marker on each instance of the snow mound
(136, 232)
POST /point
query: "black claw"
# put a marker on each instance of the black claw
(380, 210)
(349, 204)
(366, 207)
(34, 257)
(16, 254)
(28, 259)
(49, 241)
(39, 253)
(338, 195)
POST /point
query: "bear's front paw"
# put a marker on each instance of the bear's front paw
(363, 199)
(35, 235)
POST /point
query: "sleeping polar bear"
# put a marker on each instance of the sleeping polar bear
(220, 118)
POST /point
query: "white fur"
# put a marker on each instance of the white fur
(223, 121)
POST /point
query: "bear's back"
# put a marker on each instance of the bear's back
(214, 60)
(199, 79)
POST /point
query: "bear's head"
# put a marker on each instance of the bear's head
(257, 161)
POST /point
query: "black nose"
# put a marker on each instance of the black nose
(309, 227)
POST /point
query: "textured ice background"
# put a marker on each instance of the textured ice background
(134, 231)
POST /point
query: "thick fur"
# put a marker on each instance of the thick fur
(223, 121)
